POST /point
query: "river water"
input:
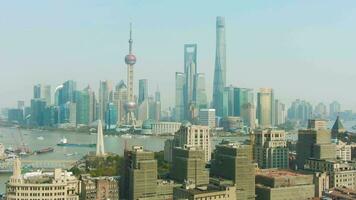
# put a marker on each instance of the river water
(12, 137)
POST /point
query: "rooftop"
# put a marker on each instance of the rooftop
(275, 173)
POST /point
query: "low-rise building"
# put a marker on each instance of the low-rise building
(42, 185)
(341, 173)
(343, 151)
(218, 192)
(273, 184)
(2, 151)
(160, 128)
(341, 194)
(99, 188)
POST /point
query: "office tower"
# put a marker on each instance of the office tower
(92, 103)
(143, 110)
(220, 67)
(100, 140)
(139, 174)
(179, 108)
(58, 95)
(142, 90)
(334, 109)
(207, 117)
(38, 107)
(280, 113)
(285, 184)
(200, 92)
(300, 111)
(51, 116)
(120, 98)
(57, 184)
(314, 142)
(190, 71)
(110, 116)
(21, 105)
(320, 111)
(241, 97)
(338, 129)
(15, 115)
(234, 162)
(270, 149)
(195, 136)
(41, 91)
(67, 92)
(105, 89)
(158, 95)
(189, 165)
(130, 105)
(82, 99)
(265, 108)
(228, 101)
(248, 115)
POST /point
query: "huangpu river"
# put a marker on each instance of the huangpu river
(39, 139)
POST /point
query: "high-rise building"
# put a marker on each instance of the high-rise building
(265, 108)
(142, 90)
(119, 99)
(41, 91)
(82, 99)
(195, 136)
(314, 142)
(234, 162)
(335, 109)
(66, 92)
(280, 112)
(220, 66)
(130, 105)
(320, 111)
(189, 165)
(190, 71)
(300, 111)
(38, 107)
(179, 97)
(207, 117)
(248, 115)
(110, 116)
(139, 179)
(105, 90)
(190, 87)
(92, 103)
(270, 149)
(200, 92)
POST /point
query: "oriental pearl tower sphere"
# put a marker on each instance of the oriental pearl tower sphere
(130, 105)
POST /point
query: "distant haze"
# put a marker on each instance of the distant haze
(302, 49)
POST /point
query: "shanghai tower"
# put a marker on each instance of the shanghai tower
(220, 67)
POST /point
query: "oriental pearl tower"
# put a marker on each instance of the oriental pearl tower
(130, 105)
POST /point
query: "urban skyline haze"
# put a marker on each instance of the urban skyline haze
(300, 49)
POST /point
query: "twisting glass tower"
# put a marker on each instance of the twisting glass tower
(220, 66)
(130, 105)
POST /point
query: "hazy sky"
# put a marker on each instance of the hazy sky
(303, 49)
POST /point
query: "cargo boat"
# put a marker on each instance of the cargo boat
(45, 150)
(64, 143)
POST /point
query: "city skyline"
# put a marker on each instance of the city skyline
(99, 53)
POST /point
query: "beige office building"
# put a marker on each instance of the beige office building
(270, 149)
(57, 185)
(188, 192)
(265, 108)
(98, 188)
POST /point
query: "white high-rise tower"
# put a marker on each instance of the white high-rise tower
(130, 105)
(100, 140)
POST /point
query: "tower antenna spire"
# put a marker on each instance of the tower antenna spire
(130, 40)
